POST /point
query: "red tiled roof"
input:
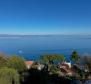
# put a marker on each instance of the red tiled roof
(29, 62)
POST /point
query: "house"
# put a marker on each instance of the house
(65, 64)
(37, 66)
(29, 64)
(84, 67)
(40, 66)
(66, 68)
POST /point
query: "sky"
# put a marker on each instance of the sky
(45, 17)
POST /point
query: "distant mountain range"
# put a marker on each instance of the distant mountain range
(8, 35)
(65, 36)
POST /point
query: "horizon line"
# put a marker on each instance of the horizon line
(40, 34)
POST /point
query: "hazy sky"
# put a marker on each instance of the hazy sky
(45, 16)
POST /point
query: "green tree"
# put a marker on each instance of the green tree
(17, 63)
(50, 61)
(3, 60)
(75, 57)
(52, 58)
(9, 76)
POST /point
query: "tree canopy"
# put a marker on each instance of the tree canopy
(9, 76)
(17, 63)
(51, 58)
(3, 60)
(50, 61)
(75, 56)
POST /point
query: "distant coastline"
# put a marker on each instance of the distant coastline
(80, 36)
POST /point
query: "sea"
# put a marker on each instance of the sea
(31, 47)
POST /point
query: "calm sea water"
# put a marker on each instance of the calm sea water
(32, 47)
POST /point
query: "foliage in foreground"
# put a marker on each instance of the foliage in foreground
(11, 69)
(9, 76)
(17, 63)
(3, 60)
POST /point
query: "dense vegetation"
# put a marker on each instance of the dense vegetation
(9, 76)
(14, 71)
(11, 69)
(17, 63)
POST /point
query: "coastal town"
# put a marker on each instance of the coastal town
(45, 41)
(65, 68)
(48, 69)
